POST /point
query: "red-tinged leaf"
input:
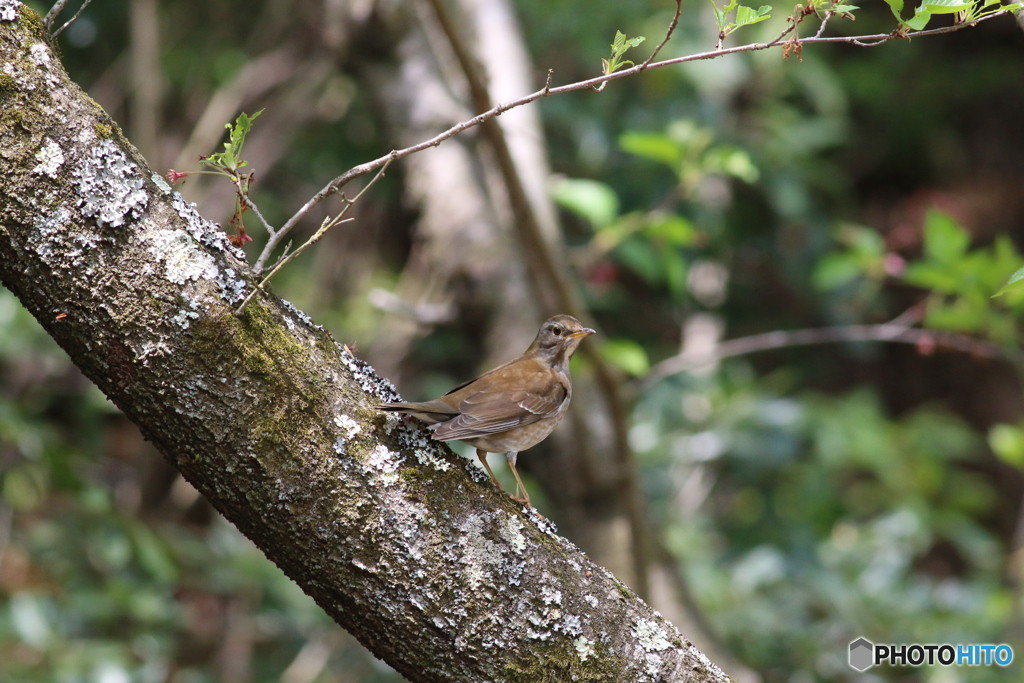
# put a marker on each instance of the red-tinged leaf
(241, 239)
(925, 346)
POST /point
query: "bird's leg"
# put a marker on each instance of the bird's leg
(520, 489)
(482, 456)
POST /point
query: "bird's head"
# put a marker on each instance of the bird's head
(558, 338)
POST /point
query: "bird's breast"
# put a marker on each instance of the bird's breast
(518, 438)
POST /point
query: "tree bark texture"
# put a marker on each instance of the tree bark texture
(393, 536)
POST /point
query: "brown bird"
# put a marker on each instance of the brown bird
(512, 407)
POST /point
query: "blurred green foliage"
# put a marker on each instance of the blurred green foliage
(806, 521)
(103, 580)
(807, 509)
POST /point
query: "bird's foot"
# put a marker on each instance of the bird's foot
(530, 510)
(525, 500)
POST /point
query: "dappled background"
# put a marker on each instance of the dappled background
(775, 496)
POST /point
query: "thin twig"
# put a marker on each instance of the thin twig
(324, 227)
(824, 21)
(668, 34)
(779, 339)
(51, 16)
(252, 206)
(69, 21)
(284, 254)
(546, 91)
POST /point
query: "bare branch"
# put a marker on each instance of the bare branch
(668, 34)
(252, 206)
(324, 227)
(825, 19)
(51, 16)
(896, 331)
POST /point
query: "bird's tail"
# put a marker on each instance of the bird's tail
(428, 412)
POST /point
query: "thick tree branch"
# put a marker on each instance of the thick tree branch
(435, 572)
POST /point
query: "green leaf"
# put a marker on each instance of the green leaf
(590, 199)
(948, 6)
(924, 12)
(640, 256)
(671, 229)
(731, 161)
(627, 355)
(635, 42)
(1007, 442)
(922, 15)
(152, 553)
(722, 15)
(835, 270)
(864, 255)
(745, 16)
(944, 239)
(675, 270)
(865, 241)
(231, 157)
(619, 46)
(24, 486)
(932, 276)
(1009, 286)
(959, 316)
(652, 146)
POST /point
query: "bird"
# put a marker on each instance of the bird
(514, 406)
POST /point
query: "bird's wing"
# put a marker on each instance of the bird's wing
(491, 412)
(502, 369)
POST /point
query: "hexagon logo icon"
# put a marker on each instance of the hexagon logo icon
(862, 653)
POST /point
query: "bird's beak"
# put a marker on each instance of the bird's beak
(585, 332)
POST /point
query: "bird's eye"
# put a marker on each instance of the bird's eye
(557, 331)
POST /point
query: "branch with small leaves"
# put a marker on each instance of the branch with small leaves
(619, 47)
(837, 8)
(229, 164)
(744, 16)
(968, 13)
(592, 83)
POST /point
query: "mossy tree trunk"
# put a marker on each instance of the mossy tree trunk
(419, 558)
